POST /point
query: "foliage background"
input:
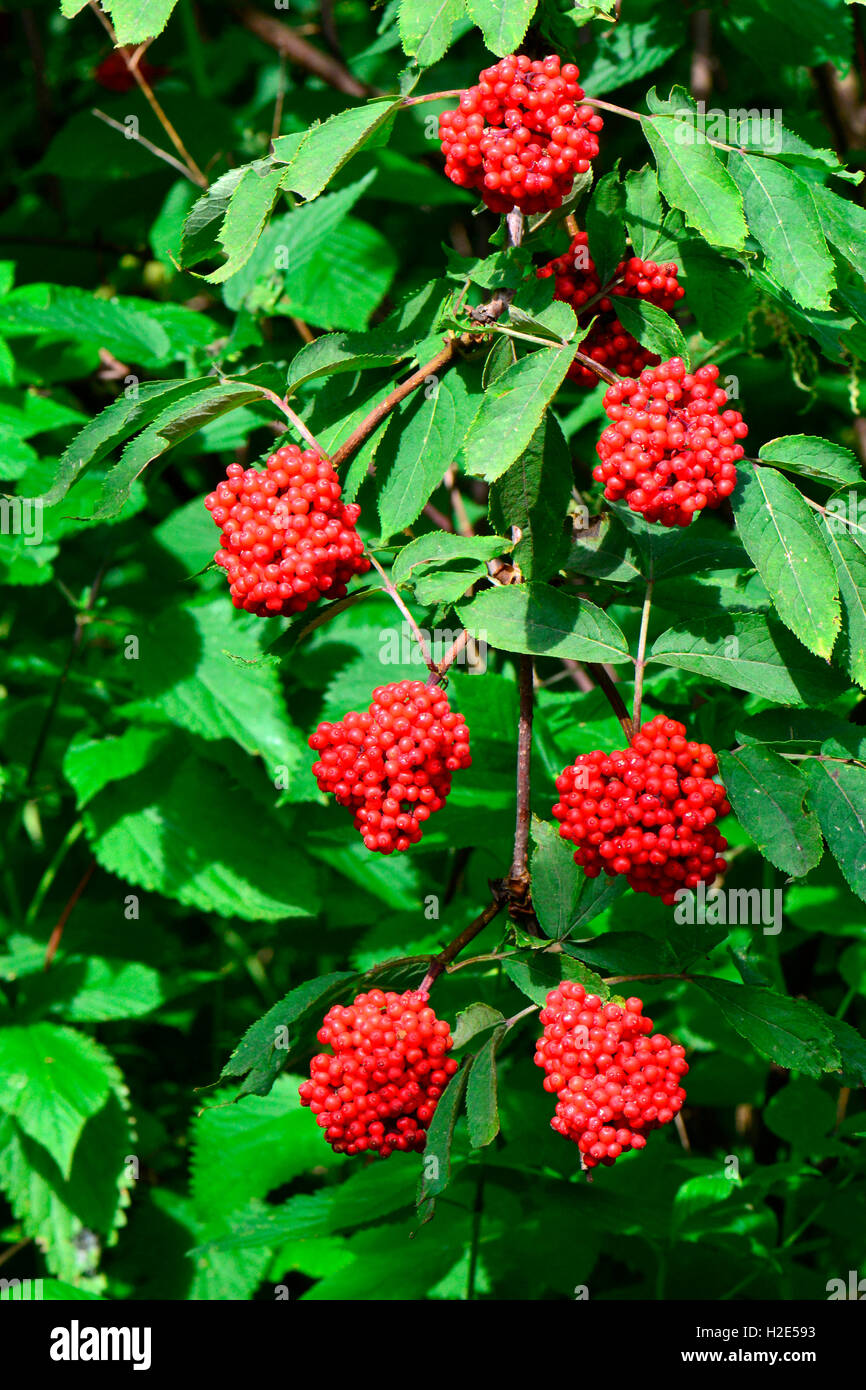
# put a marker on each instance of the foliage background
(138, 783)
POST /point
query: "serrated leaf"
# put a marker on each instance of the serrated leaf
(556, 880)
(643, 210)
(811, 457)
(844, 225)
(502, 22)
(414, 458)
(839, 798)
(542, 621)
(261, 1053)
(476, 1019)
(767, 794)
(533, 496)
(512, 410)
(52, 1079)
(787, 545)
(137, 20)
(312, 163)
(718, 290)
(850, 564)
(750, 652)
(439, 547)
(247, 213)
(482, 1110)
(793, 1033)
(437, 1150)
(605, 226)
(694, 179)
(200, 235)
(782, 218)
(653, 327)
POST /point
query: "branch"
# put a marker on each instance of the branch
(356, 438)
(445, 957)
(294, 419)
(392, 593)
(640, 663)
(615, 700)
(519, 870)
(304, 55)
(146, 144)
(448, 660)
(54, 939)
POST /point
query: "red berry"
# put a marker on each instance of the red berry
(288, 539)
(613, 1083)
(672, 446)
(577, 283)
(392, 765)
(378, 1088)
(649, 812)
(521, 135)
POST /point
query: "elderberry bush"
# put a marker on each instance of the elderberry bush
(377, 384)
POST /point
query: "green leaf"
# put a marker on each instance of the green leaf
(325, 148)
(201, 228)
(533, 496)
(625, 53)
(137, 20)
(783, 220)
(718, 291)
(90, 764)
(476, 1019)
(261, 1053)
(653, 327)
(414, 458)
(839, 798)
(767, 794)
(811, 457)
(693, 178)
(844, 225)
(512, 410)
(563, 897)
(248, 212)
(63, 312)
(750, 652)
(52, 1079)
(850, 564)
(502, 22)
(482, 1110)
(437, 1150)
(342, 352)
(439, 547)
(542, 621)
(793, 1033)
(605, 226)
(801, 1112)
(643, 210)
(427, 26)
(786, 543)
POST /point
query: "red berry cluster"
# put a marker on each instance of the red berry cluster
(288, 539)
(377, 1091)
(672, 447)
(520, 135)
(578, 283)
(613, 1083)
(648, 811)
(392, 766)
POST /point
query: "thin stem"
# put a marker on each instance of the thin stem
(448, 660)
(640, 663)
(356, 438)
(524, 1013)
(295, 420)
(451, 951)
(69, 839)
(286, 41)
(519, 864)
(392, 593)
(614, 699)
(143, 141)
(623, 979)
(54, 939)
(432, 96)
(132, 68)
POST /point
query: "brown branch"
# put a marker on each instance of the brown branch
(519, 867)
(303, 54)
(57, 933)
(615, 700)
(436, 364)
(392, 593)
(445, 957)
(146, 144)
(448, 660)
(133, 70)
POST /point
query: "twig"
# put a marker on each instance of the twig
(295, 419)
(451, 951)
(132, 68)
(448, 660)
(623, 979)
(54, 939)
(147, 144)
(519, 869)
(640, 663)
(392, 593)
(304, 55)
(366, 427)
(432, 96)
(615, 700)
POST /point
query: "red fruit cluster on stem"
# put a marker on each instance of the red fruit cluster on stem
(377, 1090)
(577, 283)
(288, 538)
(520, 135)
(392, 765)
(648, 811)
(672, 446)
(613, 1083)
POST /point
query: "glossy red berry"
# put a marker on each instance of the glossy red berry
(392, 765)
(288, 539)
(577, 283)
(521, 134)
(672, 446)
(614, 1084)
(649, 811)
(377, 1090)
